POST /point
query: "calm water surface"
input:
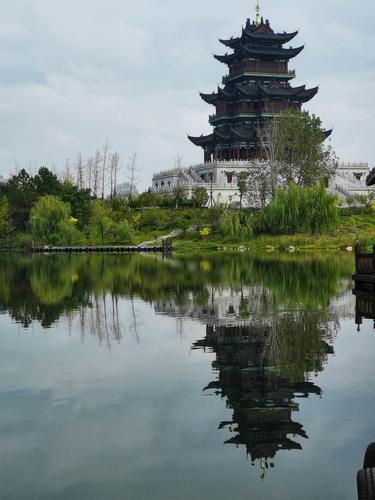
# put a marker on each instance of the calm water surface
(133, 377)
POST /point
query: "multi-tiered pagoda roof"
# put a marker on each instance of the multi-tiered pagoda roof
(256, 89)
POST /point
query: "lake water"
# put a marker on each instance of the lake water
(215, 377)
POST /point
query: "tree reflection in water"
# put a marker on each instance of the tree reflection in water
(268, 319)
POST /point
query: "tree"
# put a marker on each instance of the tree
(294, 147)
(242, 183)
(46, 182)
(106, 148)
(21, 193)
(301, 210)
(6, 226)
(103, 227)
(48, 217)
(200, 197)
(272, 148)
(259, 185)
(236, 225)
(67, 174)
(178, 195)
(79, 201)
(100, 221)
(96, 173)
(89, 168)
(115, 166)
(146, 199)
(80, 171)
(133, 171)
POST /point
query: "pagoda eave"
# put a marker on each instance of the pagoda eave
(203, 140)
(227, 58)
(308, 94)
(277, 52)
(232, 43)
(276, 37)
(327, 133)
(298, 93)
(209, 98)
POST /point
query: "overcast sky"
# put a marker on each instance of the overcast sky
(75, 72)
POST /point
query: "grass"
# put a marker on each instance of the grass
(352, 228)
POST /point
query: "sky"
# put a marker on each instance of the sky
(75, 73)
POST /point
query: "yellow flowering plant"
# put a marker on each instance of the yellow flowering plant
(204, 232)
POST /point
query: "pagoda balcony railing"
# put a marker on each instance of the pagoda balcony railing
(228, 116)
(260, 72)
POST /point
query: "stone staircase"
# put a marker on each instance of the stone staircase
(174, 234)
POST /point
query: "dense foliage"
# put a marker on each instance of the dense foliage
(49, 219)
(45, 210)
(236, 225)
(23, 190)
(6, 226)
(300, 210)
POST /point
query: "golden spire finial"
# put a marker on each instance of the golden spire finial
(257, 8)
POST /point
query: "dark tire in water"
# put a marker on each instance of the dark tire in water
(366, 484)
(370, 457)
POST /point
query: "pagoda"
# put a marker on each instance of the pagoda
(255, 90)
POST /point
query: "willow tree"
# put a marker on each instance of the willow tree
(48, 219)
(294, 145)
(301, 210)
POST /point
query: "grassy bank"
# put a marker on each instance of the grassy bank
(352, 227)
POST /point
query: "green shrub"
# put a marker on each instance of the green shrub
(300, 210)
(236, 225)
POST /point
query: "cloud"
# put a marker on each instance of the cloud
(75, 73)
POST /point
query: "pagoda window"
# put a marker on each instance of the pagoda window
(231, 311)
(229, 176)
(162, 184)
(156, 185)
(169, 183)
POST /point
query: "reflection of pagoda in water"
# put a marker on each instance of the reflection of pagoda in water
(262, 399)
(265, 355)
(226, 306)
